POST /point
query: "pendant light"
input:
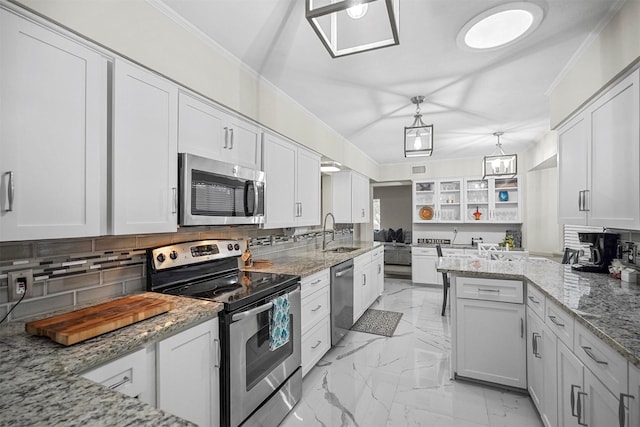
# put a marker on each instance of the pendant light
(499, 164)
(418, 138)
(353, 26)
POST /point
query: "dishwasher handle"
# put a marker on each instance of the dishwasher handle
(344, 271)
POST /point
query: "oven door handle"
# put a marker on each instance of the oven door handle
(252, 312)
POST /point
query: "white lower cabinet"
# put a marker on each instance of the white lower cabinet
(489, 325)
(424, 262)
(377, 270)
(541, 369)
(179, 374)
(128, 375)
(632, 401)
(367, 273)
(188, 378)
(315, 318)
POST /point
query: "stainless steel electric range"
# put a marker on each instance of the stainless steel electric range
(259, 384)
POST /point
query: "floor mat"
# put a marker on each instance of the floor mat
(378, 322)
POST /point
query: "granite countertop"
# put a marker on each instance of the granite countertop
(305, 262)
(40, 382)
(606, 306)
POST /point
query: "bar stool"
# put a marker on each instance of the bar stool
(445, 282)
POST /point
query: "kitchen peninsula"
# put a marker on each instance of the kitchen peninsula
(580, 335)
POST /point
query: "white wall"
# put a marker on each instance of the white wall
(612, 52)
(138, 30)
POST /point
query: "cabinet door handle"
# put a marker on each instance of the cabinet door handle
(10, 191)
(587, 200)
(300, 208)
(318, 307)
(174, 191)
(573, 400)
(231, 139)
(317, 344)
(555, 322)
(534, 341)
(579, 201)
(621, 408)
(533, 300)
(216, 344)
(362, 212)
(379, 268)
(226, 137)
(521, 327)
(123, 381)
(364, 280)
(580, 407)
(593, 356)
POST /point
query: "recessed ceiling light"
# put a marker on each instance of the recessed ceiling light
(500, 26)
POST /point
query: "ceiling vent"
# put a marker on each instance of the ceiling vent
(418, 170)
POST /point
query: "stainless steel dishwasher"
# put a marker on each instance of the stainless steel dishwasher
(341, 300)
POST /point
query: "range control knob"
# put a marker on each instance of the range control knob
(173, 255)
(160, 258)
(236, 247)
(230, 246)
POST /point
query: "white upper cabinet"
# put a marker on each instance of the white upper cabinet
(207, 131)
(438, 201)
(497, 200)
(53, 134)
(144, 151)
(350, 197)
(599, 153)
(292, 190)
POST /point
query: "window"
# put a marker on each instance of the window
(376, 214)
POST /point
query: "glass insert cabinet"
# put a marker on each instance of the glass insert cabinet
(468, 200)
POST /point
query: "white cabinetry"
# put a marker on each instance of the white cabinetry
(316, 323)
(292, 184)
(207, 131)
(490, 331)
(128, 375)
(438, 201)
(144, 152)
(367, 273)
(188, 374)
(424, 262)
(632, 401)
(498, 200)
(350, 197)
(604, 137)
(53, 134)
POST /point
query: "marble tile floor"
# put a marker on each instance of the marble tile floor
(369, 380)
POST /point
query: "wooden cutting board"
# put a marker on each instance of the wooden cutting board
(80, 325)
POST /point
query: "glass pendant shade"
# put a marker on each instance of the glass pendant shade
(353, 26)
(499, 164)
(418, 138)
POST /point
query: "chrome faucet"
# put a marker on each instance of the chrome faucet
(324, 231)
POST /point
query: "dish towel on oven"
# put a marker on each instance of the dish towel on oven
(279, 326)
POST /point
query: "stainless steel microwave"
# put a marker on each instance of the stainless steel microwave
(218, 193)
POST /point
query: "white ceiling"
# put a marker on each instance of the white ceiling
(366, 97)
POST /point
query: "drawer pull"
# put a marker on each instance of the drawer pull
(488, 290)
(534, 342)
(123, 381)
(593, 356)
(315, 282)
(317, 344)
(555, 322)
(533, 300)
(621, 408)
(318, 307)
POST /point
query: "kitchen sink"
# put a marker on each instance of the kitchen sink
(341, 249)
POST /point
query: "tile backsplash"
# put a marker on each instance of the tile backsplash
(69, 273)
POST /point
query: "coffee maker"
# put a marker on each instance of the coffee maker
(603, 248)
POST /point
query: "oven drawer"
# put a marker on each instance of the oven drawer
(315, 344)
(315, 282)
(314, 308)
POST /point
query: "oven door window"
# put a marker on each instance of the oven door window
(215, 195)
(260, 360)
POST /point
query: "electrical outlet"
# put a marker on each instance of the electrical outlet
(20, 283)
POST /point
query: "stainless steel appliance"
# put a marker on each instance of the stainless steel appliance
(214, 192)
(341, 300)
(259, 386)
(603, 248)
